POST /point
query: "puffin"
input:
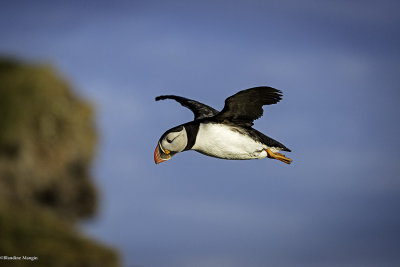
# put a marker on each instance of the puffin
(226, 134)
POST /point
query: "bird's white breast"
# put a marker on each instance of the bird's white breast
(224, 141)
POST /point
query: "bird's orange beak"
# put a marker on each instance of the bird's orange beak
(160, 155)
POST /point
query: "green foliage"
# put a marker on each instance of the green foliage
(47, 142)
(35, 232)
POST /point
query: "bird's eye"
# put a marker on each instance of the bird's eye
(169, 140)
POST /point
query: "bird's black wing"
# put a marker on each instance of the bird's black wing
(246, 106)
(200, 110)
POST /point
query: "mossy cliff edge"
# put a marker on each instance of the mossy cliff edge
(47, 143)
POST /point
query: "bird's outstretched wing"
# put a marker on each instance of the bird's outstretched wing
(200, 110)
(246, 106)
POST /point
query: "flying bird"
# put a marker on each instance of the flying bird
(227, 134)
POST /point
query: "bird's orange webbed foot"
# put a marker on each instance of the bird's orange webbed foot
(278, 156)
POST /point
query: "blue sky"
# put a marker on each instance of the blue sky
(338, 65)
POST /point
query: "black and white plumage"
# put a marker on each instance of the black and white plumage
(227, 134)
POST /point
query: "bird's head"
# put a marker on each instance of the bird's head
(171, 142)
